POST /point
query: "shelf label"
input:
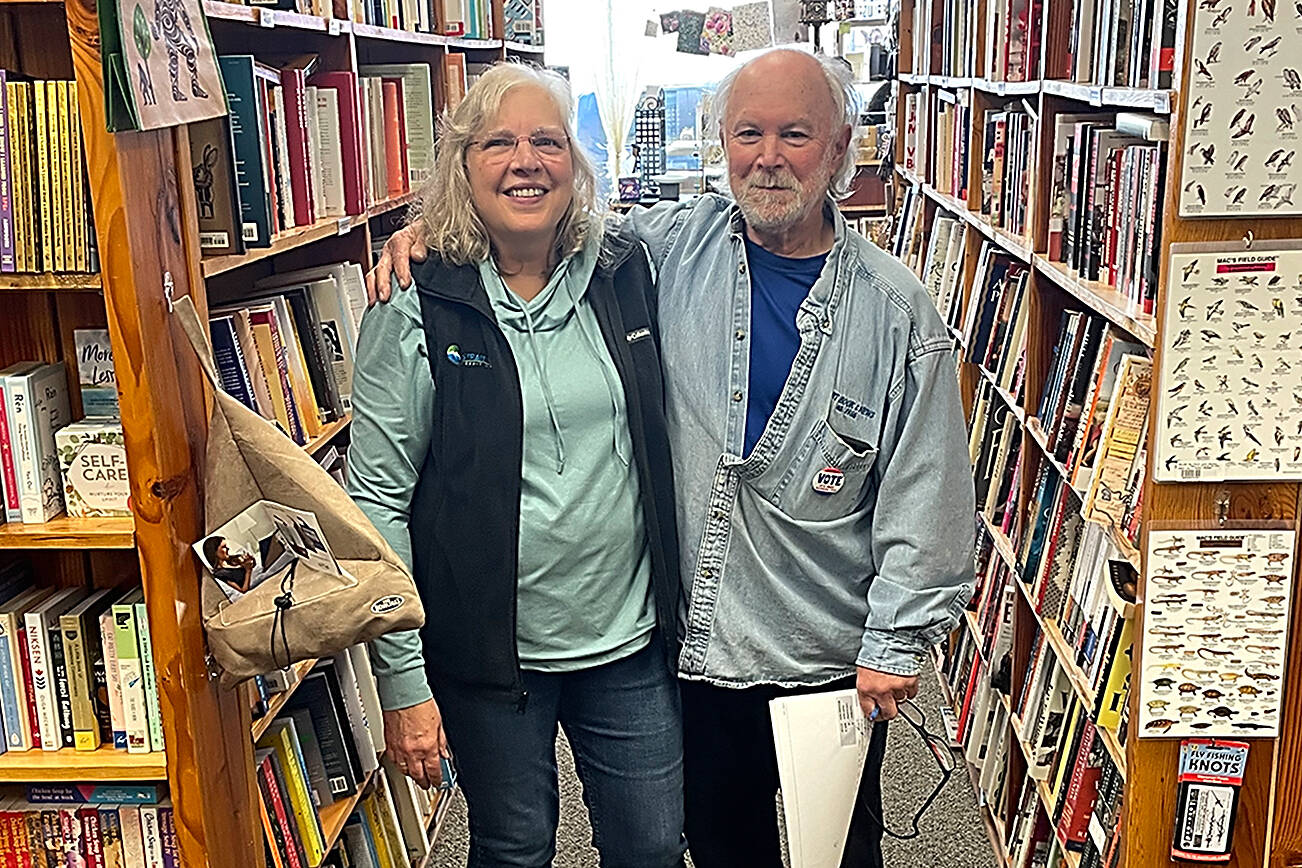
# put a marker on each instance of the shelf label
(267, 18)
(1096, 96)
(333, 27)
(344, 226)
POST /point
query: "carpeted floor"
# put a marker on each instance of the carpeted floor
(952, 834)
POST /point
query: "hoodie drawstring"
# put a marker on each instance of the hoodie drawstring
(595, 352)
(546, 390)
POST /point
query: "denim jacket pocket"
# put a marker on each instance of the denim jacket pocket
(827, 478)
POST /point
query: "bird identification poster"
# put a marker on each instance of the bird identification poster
(1243, 120)
(822, 742)
(1216, 619)
(1230, 385)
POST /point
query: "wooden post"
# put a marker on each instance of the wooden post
(138, 220)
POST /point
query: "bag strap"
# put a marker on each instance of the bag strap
(184, 310)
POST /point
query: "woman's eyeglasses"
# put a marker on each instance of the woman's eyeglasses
(546, 144)
(940, 751)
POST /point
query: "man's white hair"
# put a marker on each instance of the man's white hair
(840, 85)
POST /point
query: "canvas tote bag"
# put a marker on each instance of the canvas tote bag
(306, 613)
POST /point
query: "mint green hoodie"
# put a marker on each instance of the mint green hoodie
(584, 568)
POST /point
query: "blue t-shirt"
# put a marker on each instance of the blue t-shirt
(778, 284)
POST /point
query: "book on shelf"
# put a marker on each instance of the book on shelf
(33, 405)
(522, 21)
(46, 223)
(1106, 201)
(952, 117)
(322, 749)
(138, 834)
(471, 19)
(1007, 165)
(55, 668)
(1113, 43)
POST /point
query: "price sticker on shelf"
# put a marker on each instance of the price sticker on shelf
(1096, 96)
(267, 17)
(344, 226)
(333, 27)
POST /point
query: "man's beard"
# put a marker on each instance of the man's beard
(773, 201)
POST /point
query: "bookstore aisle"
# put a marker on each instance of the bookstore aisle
(952, 832)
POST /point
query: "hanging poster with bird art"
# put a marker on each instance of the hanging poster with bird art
(160, 69)
(1216, 618)
(1229, 396)
(1243, 110)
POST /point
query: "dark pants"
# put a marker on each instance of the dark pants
(731, 777)
(622, 721)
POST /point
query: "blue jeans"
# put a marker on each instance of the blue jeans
(623, 723)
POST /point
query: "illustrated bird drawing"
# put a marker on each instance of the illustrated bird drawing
(1245, 130)
(1275, 156)
(1214, 53)
(1190, 270)
(1204, 116)
(1285, 119)
(1222, 17)
(1268, 49)
(1202, 69)
(1252, 41)
(1291, 78)
(1184, 307)
(1268, 10)
(1245, 76)
(1237, 165)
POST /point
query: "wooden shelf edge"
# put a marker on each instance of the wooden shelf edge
(301, 236)
(277, 703)
(104, 764)
(328, 433)
(522, 47)
(335, 815)
(70, 533)
(48, 281)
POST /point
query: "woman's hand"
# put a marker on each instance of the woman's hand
(403, 248)
(414, 740)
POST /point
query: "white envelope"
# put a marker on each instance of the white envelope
(822, 742)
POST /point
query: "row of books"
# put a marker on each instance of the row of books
(50, 464)
(322, 748)
(1064, 749)
(1113, 43)
(89, 832)
(410, 15)
(949, 142)
(1007, 165)
(46, 222)
(942, 267)
(997, 321)
(995, 447)
(1105, 197)
(76, 667)
(303, 144)
(459, 75)
(1012, 49)
(285, 350)
(950, 25)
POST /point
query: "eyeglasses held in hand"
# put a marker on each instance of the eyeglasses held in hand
(546, 143)
(940, 752)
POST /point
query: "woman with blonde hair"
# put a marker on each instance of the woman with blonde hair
(509, 441)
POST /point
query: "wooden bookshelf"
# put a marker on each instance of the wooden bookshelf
(277, 702)
(328, 433)
(70, 533)
(301, 236)
(104, 764)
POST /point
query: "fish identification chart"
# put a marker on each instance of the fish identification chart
(1230, 390)
(1215, 632)
(1243, 121)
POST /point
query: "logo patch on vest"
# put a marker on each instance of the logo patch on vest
(637, 335)
(465, 358)
(829, 480)
(384, 605)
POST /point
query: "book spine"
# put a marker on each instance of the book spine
(113, 680)
(7, 260)
(38, 651)
(293, 86)
(29, 691)
(60, 136)
(167, 833)
(13, 508)
(62, 689)
(131, 675)
(23, 429)
(85, 722)
(151, 836)
(81, 225)
(285, 815)
(150, 678)
(15, 724)
(111, 831)
(133, 845)
(92, 838)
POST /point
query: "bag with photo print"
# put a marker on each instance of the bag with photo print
(344, 585)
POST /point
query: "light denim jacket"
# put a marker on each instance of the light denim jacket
(784, 584)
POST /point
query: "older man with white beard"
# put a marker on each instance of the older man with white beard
(824, 493)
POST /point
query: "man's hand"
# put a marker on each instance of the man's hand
(882, 691)
(414, 740)
(403, 247)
